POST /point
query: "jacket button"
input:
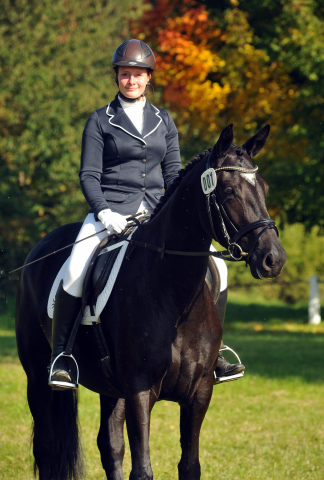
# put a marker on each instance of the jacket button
(143, 175)
(144, 160)
(143, 189)
(143, 147)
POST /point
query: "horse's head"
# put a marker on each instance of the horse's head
(238, 213)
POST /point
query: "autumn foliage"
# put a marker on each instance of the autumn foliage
(211, 73)
(247, 62)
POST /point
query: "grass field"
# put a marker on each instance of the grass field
(266, 426)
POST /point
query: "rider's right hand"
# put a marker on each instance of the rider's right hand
(112, 220)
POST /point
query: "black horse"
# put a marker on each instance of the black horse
(161, 324)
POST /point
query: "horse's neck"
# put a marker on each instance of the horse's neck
(183, 222)
(178, 226)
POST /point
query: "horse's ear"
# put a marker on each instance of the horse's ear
(255, 143)
(223, 143)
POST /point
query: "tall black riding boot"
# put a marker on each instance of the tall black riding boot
(66, 309)
(224, 368)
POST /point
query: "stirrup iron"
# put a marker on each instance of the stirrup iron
(228, 378)
(58, 383)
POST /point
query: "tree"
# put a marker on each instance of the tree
(55, 69)
(292, 33)
(299, 43)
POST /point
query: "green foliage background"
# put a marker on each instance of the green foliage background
(55, 68)
(304, 259)
(292, 32)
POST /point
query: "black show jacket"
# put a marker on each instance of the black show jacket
(119, 166)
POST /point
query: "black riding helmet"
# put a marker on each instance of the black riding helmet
(134, 53)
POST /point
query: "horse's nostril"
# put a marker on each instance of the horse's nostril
(268, 261)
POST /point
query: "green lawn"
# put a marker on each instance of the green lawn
(266, 426)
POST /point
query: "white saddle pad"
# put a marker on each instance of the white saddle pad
(104, 295)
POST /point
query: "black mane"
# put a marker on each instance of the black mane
(182, 173)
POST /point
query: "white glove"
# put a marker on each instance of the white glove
(112, 220)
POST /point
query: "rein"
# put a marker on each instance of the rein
(131, 218)
(164, 250)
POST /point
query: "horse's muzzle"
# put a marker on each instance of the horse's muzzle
(269, 264)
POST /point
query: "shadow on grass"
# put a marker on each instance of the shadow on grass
(275, 354)
(8, 347)
(268, 353)
(263, 313)
(279, 354)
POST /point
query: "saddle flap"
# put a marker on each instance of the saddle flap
(102, 269)
(101, 263)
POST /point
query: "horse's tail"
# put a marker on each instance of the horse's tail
(67, 456)
(67, 453)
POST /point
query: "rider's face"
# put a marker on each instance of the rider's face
(132, 81)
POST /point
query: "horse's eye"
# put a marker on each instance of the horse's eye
(229, 190)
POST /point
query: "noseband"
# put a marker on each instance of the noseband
(234, 249)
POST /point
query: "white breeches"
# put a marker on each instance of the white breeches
(82, 253)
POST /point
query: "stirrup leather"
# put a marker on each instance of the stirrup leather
(228, 378)
(58, 383)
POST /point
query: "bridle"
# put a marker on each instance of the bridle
(235, 251)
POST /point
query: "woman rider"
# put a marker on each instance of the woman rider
(130, 154)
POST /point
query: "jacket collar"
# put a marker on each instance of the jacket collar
(119, 119)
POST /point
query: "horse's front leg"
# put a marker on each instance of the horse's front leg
(191, 417)
(111, 436)
(138, 414)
